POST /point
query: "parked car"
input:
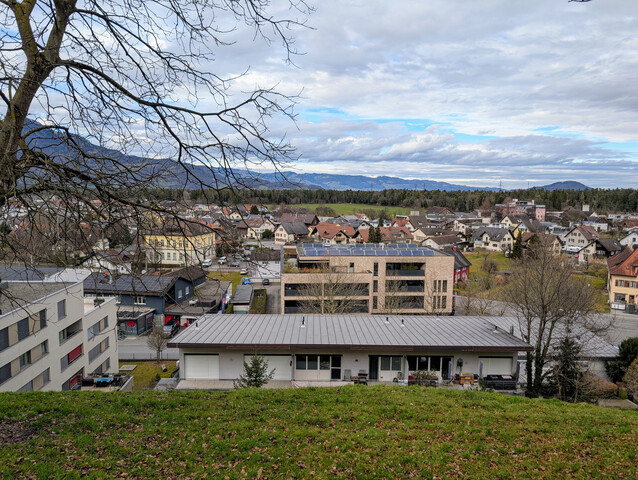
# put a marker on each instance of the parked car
(222, 260)
(171, 327)
(266, 281)
(234, 264)
(207, 263)
(243, 271)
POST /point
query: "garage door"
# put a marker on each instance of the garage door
(201, 366)
(281, 364)
(496, 365)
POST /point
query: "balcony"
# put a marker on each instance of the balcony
(405, 270)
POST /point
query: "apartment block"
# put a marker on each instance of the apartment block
(367, 279)
(51, 336)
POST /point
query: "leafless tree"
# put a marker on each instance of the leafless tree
(105, 99)
(549, 300)
(476, 299)
(332, 292)
(157, 341)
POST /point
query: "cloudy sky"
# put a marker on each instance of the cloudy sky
(467, 92)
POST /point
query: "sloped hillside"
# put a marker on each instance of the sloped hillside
(349, 432)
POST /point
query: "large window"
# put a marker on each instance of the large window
(61, 309)
(23, 329)
(43, 318)
(4, 338)
(5, 373)
(390, 363)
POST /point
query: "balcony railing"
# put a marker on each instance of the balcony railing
(405, 273)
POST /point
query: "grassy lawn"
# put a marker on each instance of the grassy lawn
(233, 277)
(352, 208)
(347, 432)
(144, 374)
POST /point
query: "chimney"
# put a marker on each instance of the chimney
(303, 322)
(402, 324)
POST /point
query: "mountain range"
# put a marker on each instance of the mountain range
(53, 144)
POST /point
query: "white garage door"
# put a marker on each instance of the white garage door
(496, 365)
(281, 364)
(201, 366)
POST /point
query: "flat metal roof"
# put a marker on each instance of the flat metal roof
(348, 332)
(367, 250)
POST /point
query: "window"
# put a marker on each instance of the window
(27, 388)
(5, 373)
(188, 290)
(444, 290)
(180, 293)
(61, 309)
(43, 318)
(4, 338)
(375, 285)
(45, 347)
(376, 269)
(162, 242)
(444, 302)
(105, 322)
(351, 268)
(390, 363)
(46, 376)
(23, 329)
(374, 303)
(300, 362)
(25, 359)
(140, 300)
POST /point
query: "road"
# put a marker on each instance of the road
(135, 348)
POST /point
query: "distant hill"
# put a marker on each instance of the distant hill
(568, 185)
(363, 182)
(175, 177)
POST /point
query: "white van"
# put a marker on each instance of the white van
(207, 263)
(222, 260)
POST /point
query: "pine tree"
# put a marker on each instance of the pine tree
(256, 373)
(517, 251)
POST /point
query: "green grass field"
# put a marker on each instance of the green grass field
(352, 208)
(233, 277)
(144, 374)
(347, 432)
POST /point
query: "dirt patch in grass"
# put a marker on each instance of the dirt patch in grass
(16, 431)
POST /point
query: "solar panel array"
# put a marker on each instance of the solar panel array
(367, 250)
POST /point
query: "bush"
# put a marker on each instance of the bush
(259, 301)
(490, 266)
(594, 387)
(630, 380)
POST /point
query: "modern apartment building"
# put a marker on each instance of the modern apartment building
(369, 278)
(51, 336)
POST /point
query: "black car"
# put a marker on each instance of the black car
(266, 281)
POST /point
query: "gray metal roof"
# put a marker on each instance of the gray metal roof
(128, 284)
(593, 345)
(351, 331)
(243, 294)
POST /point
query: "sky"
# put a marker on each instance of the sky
(476, 93)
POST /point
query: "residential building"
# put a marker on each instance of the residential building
(523, 207)
(461, 264)
(253, 227)
(334, 234)
(440, 241)
(630, 239)
(51, 336)
(320, 349)
(579, 237)
(290, 233)
(623, 280)
(145, 296)
(392, 278)
(182, 244)
(494, 239)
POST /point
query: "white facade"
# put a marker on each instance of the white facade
(51, 336)
(337, 364)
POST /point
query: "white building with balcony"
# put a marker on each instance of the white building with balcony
(51, 336)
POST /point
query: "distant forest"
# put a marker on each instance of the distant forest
(599, 200)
